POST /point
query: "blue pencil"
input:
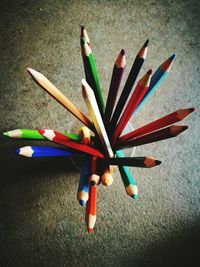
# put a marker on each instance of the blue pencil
(42, 151)
(83, 187)
(157, 77)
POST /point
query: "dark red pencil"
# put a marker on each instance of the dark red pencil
(117, 74)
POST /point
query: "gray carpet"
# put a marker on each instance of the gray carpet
(41, 222)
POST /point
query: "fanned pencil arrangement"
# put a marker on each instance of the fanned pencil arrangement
(101, 138)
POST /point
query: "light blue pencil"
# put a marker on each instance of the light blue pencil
(157, 77)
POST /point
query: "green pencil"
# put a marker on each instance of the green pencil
(34, 134)
(91, 74)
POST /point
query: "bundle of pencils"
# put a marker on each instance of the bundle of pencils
(101, 139)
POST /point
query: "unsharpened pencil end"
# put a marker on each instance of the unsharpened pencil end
(123, 52)
(82, 202)
(146, 43)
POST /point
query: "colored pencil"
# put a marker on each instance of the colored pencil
(34, 134)
(137, 65)
(92, 77)
(162, 134)
(85, 35)
(63, 140)
(94, 177)
(157, 77)
(91, 103)
(117, 74)
(128, 180)
(42, 151)
(132, 104)
(90, 217)
(165, 121)
(44, 83)
(106, 177)
(85, 135)
(83, 186)
(142, 162)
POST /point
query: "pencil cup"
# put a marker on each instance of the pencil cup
(75, 126)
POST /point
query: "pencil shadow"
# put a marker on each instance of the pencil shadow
(181, 249)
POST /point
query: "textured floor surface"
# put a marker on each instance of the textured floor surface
(41, 222)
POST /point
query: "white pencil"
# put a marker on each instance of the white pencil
(91, 103)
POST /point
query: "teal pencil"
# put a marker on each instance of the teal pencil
(129, 182)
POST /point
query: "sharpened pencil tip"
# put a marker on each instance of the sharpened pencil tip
(17, 151)
(92, 183)
(89, 230)
(146, 43)
(172, 57)
(82, 202)
(157, 162)
(149, 72)
(123, 52)
(191, 109)
(134, 196)
(6, 134)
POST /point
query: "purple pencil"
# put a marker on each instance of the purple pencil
(117, 74)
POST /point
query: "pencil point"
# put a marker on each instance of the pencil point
(123, 52)
(146, 43)
(149, 72)
(92, 183)
(157, 162)
(89, 230)
(191, 109)
(6, 134)
(134, 196)
(173, 57)
(83, 41)
(82, 202)
(17, 151)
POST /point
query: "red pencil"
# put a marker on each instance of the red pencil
(117, 74)
(90, 217)
(136, 96)
(165, 133)
(63, 140)
(171, 118)
(94, 177)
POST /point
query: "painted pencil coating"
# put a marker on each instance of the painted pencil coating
(83, 186)
(136, 67)
(34, 134)
(96, 117)
(132, 104)
(43, 82)
(91, 209)
(117, 74)
(63, 140)
(157, 77)
(42, 151)
(165, 121)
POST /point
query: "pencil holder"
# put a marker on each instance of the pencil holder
(76, 160)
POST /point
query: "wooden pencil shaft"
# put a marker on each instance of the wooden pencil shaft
(157, 124)
(91, 103)
(43, 82)
(153, 137)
